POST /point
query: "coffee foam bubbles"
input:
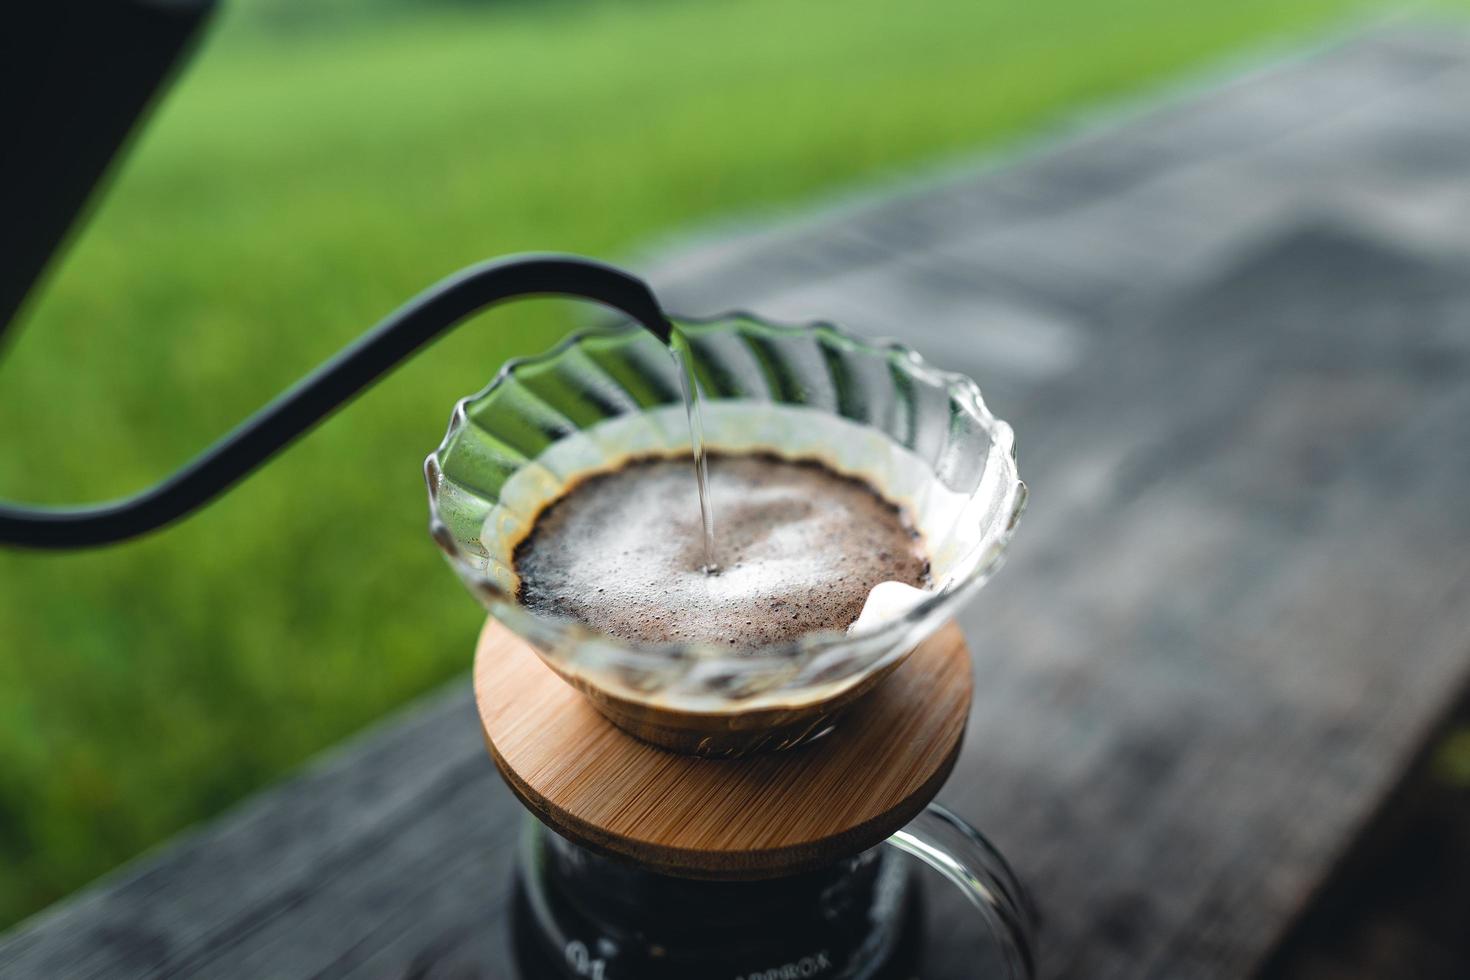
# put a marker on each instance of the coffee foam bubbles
(800, 549)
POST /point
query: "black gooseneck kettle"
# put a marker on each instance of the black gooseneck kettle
(84, 72)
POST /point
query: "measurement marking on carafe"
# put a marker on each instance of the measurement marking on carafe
(807, 966)
(582, 962)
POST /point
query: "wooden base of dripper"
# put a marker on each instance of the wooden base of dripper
(759, 816)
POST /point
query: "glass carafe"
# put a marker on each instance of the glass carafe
(578, 914)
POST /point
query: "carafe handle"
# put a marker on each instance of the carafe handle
(968, 861)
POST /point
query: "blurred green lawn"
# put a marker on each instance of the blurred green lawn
(296, 186)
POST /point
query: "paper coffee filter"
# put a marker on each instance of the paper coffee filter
(887, 601)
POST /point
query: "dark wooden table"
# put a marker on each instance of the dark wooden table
(1233, 334)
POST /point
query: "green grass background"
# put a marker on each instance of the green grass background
(309, 172)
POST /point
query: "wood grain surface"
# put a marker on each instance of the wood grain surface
(756, 817)
(1233, 334)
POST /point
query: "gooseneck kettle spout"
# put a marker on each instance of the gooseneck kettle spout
(394, 340)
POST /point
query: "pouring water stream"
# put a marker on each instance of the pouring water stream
(683, 356)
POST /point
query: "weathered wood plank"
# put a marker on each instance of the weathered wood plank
(240, 898)
(1234, 336)
(1397, 907)
(1249, 619)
